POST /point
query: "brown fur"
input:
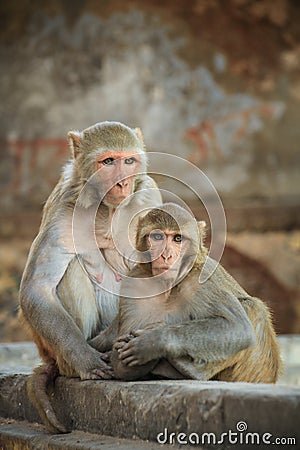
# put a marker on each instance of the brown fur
(204, 331)
(59, 297)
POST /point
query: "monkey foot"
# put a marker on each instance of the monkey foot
(121, 340)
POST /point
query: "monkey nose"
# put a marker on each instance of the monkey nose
(122, 183)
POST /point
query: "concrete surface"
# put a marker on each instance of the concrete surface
(290, 352)
(18, 357)
(145, 409)
(224, 92)
(24, 436)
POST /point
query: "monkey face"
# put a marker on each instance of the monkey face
(168, 239)
(167, 249)
(109, 157)
(121, 168)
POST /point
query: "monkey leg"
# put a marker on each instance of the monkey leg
(165, 369)
(184, 368)
(37, 386)
(103, 342)
(201, 371)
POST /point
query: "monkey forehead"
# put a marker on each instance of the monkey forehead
(119, 154)
(112, 136)
(187, 230)
(166, 231)
(168, 216)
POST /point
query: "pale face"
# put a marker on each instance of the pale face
(121, 167)
(167, 249)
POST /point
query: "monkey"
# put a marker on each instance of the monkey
(208, 331)
(69, 288)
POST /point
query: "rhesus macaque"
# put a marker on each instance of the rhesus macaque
(213, 330)
(61, 294)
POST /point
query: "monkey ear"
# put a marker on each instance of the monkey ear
(139, 134)
(202, 225)
(75, 141)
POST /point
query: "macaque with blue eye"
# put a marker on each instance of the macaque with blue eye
(164, 248)
(171, 326)
(70, 287)
(118, 165)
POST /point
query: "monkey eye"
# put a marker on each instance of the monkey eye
(157, 236)
(107, 161)
(130, 160)
(178, 238)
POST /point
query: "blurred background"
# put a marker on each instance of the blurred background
(215, 82)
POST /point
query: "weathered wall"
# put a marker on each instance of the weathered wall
(214, 82)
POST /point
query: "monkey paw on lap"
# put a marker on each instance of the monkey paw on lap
(213, 330)
(63, 298)
(140, 346)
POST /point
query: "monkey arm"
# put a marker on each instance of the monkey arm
(216, 337)
(104, 341)
(43, 310)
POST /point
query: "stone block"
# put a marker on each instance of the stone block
(150, 409)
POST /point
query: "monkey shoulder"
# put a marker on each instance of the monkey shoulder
(229, 284)
(221, 284)
(50, 252)
(218, 289)
(256, 309)
(220, 279)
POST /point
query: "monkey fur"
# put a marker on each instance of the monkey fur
(209, 331)
(61, 298)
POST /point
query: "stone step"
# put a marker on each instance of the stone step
(26, 436)
(163, 411)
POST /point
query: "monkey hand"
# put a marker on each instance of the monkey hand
(96, 367)
(140, 347)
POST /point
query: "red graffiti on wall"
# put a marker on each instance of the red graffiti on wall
(206, 139)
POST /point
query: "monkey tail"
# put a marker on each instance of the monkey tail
(37, 392)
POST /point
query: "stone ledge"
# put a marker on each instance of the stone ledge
(145, 408)
(23, 436)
